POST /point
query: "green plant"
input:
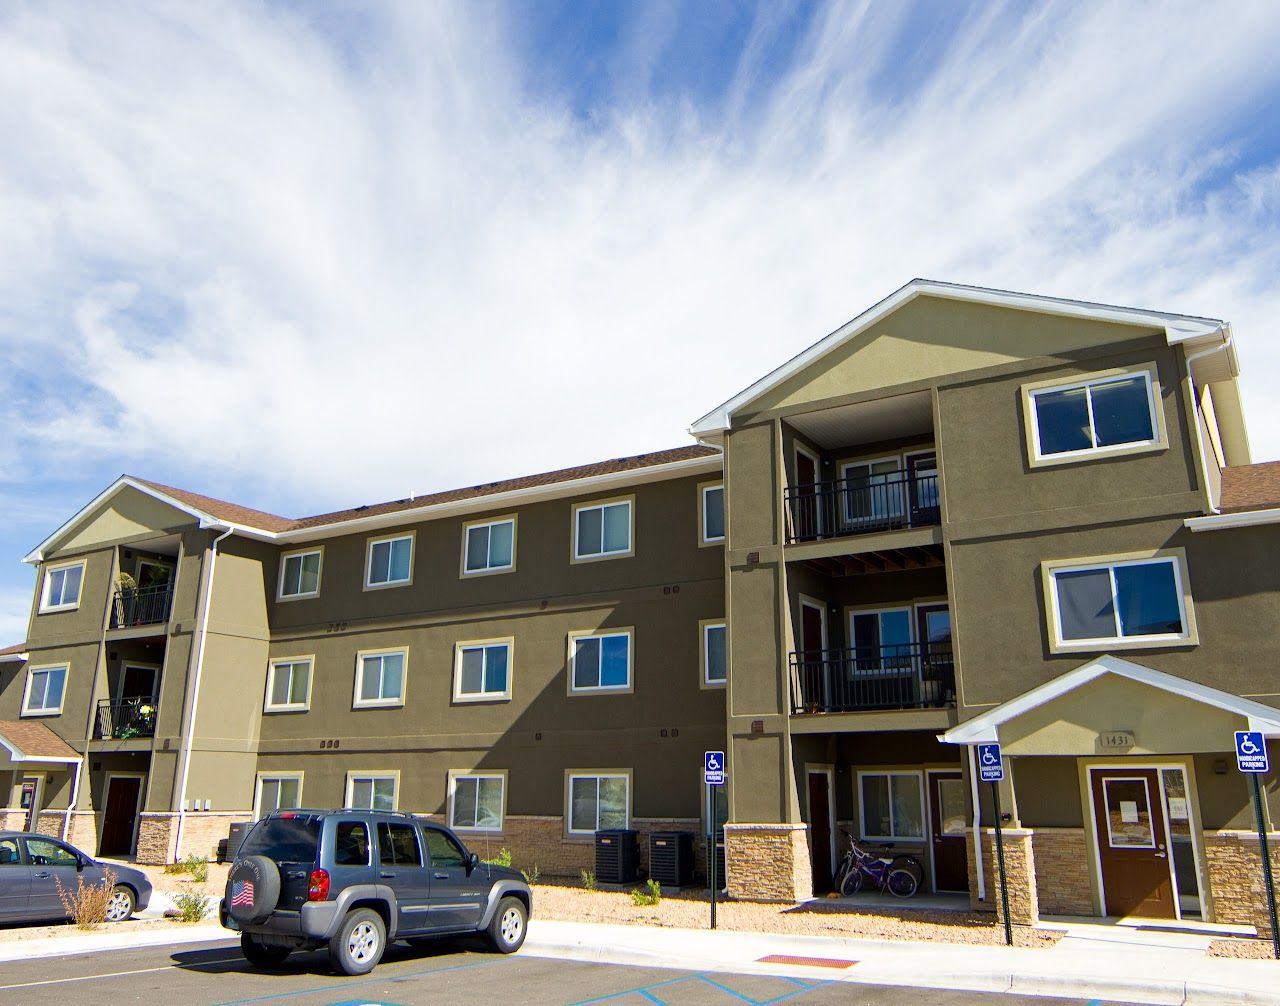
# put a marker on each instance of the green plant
(650, 894)
(198, 867)
(191, 907)
(126, 581)
(86, 904)
(172, 868)
(503, 858)
(588, 880)
(532, 874)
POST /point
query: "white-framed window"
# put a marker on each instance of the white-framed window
(389, 562)
(597, 800)
(715, 654)
(277, 791)
(602, 530)
(62, 587)
(373, 790)
(380, 677)
(711, 514)
(600, 661)
(288, 685)
(1138, 601)
(1094, 416)
(300, 575)
(482, 670)
(477, 800)
(489, 546)
(46, 688)
(891, 805)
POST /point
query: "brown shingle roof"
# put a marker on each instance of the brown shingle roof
(233, 512)
(35, 740)
(13, 651)
(1251, 487)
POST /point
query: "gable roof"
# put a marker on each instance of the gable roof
(28, 740)
(986, 727)
(1177, 327)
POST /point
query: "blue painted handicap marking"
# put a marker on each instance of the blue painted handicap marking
(1251, 751)
(990, 763)
(363, 1002)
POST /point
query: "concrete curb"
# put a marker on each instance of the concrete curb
(164, 934)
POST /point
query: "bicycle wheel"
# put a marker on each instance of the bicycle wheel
(852, 883)
(902, 883)
(910, 864)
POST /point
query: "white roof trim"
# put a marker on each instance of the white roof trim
(14, 658)
(985, 729)
(1177, 328)
(1221, 521)
(16, 755)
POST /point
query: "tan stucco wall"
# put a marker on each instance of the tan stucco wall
(124, 517)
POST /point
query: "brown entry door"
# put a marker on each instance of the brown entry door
(820, 831)
(120, 816)
(1136, 877)
(950, 850)
(807, 515)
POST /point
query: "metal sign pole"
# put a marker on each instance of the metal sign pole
(1266, 864)
(1004, 887)
(711, 848)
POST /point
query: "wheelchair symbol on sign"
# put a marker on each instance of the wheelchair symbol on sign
(989, 757)
(1248, 747)
(713, 764)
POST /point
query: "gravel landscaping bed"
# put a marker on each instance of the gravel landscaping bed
(1242, 948)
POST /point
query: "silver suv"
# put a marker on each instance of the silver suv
(352, 880)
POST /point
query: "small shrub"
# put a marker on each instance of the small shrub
(191, 907)
(650, 894)
(172, 868)
(588, 880)
(503, 858)
(532, 874)
(86, 904)
(198, 867)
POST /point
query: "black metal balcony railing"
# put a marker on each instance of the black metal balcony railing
(842, 507)
(118, 721)
(908, 676)
(142, 606)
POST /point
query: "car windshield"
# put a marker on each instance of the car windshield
(285, 839)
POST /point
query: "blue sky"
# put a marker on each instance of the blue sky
(307, 255)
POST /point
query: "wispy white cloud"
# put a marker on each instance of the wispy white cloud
(341, 271)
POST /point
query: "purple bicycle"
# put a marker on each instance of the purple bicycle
(860, 870)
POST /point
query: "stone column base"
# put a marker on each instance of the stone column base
(201, 832)
(1233, 861)
(768, 862)
(1020, 871)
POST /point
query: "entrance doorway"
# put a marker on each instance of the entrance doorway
(138, 682)
(949, 831)
(120, 816)
(31, 800)
(808, 512)
(1133, 853)
(822, 829)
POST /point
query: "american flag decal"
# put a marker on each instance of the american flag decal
(242, 894)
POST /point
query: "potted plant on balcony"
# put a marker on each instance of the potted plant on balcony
(141, 723)
(126, 588)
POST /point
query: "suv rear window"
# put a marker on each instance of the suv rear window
(285, 839)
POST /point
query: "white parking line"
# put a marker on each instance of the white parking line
(114, 974)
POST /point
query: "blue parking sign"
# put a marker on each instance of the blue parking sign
(1251, 752)
(990, 763)
(713, 768)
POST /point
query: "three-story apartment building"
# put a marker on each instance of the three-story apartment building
(967, 515)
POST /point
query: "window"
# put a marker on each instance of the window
(372, 791)
(602, 530)
(9, 852)
(1135, 601)
(882, 641)
(489, 547)
(873, 493)
(289, 685)
(380, 678)
(482, 671)
(62, 587)
(398, 845)
(45, 688)
(598, 802)
(443, 850)
(712, 514)
(715, 659)
(1102, 415)
(351, 844)
(476, 800)
(299, 575)
(892, 805)
(390, 562)
(278, 792)
(46, 852)
(600, 662)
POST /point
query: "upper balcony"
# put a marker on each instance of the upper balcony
(135, 607)
(874, 678)
(865, 503)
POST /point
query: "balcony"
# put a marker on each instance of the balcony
(842, 508)
(868, 678)
(135, 606)
(121, 721)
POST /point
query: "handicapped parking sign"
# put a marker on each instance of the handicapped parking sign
(1251, 752)
(990, 763)
(713, 768)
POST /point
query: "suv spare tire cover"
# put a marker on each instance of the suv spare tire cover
(253, 888)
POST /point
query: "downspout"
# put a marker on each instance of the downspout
(75, 795)
(1195, 418)
(977, 825)
(195, 691)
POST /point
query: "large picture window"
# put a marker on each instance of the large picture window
(1098, 416)
(600, 662)
(598, 802)
(892, 805)
(1121, 602)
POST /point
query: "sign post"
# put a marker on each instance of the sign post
(1251, 758)
(991, 769)
(713, 775)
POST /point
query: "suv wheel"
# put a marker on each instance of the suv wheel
(508, 926)
(262, 955)
(358, 944)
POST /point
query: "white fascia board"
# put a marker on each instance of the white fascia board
(17, 755)
(1222, 521)
(14, 658)
(1177, 329)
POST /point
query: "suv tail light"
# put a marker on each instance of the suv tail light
(318, 885)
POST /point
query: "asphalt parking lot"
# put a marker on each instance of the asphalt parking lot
(215, 973)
